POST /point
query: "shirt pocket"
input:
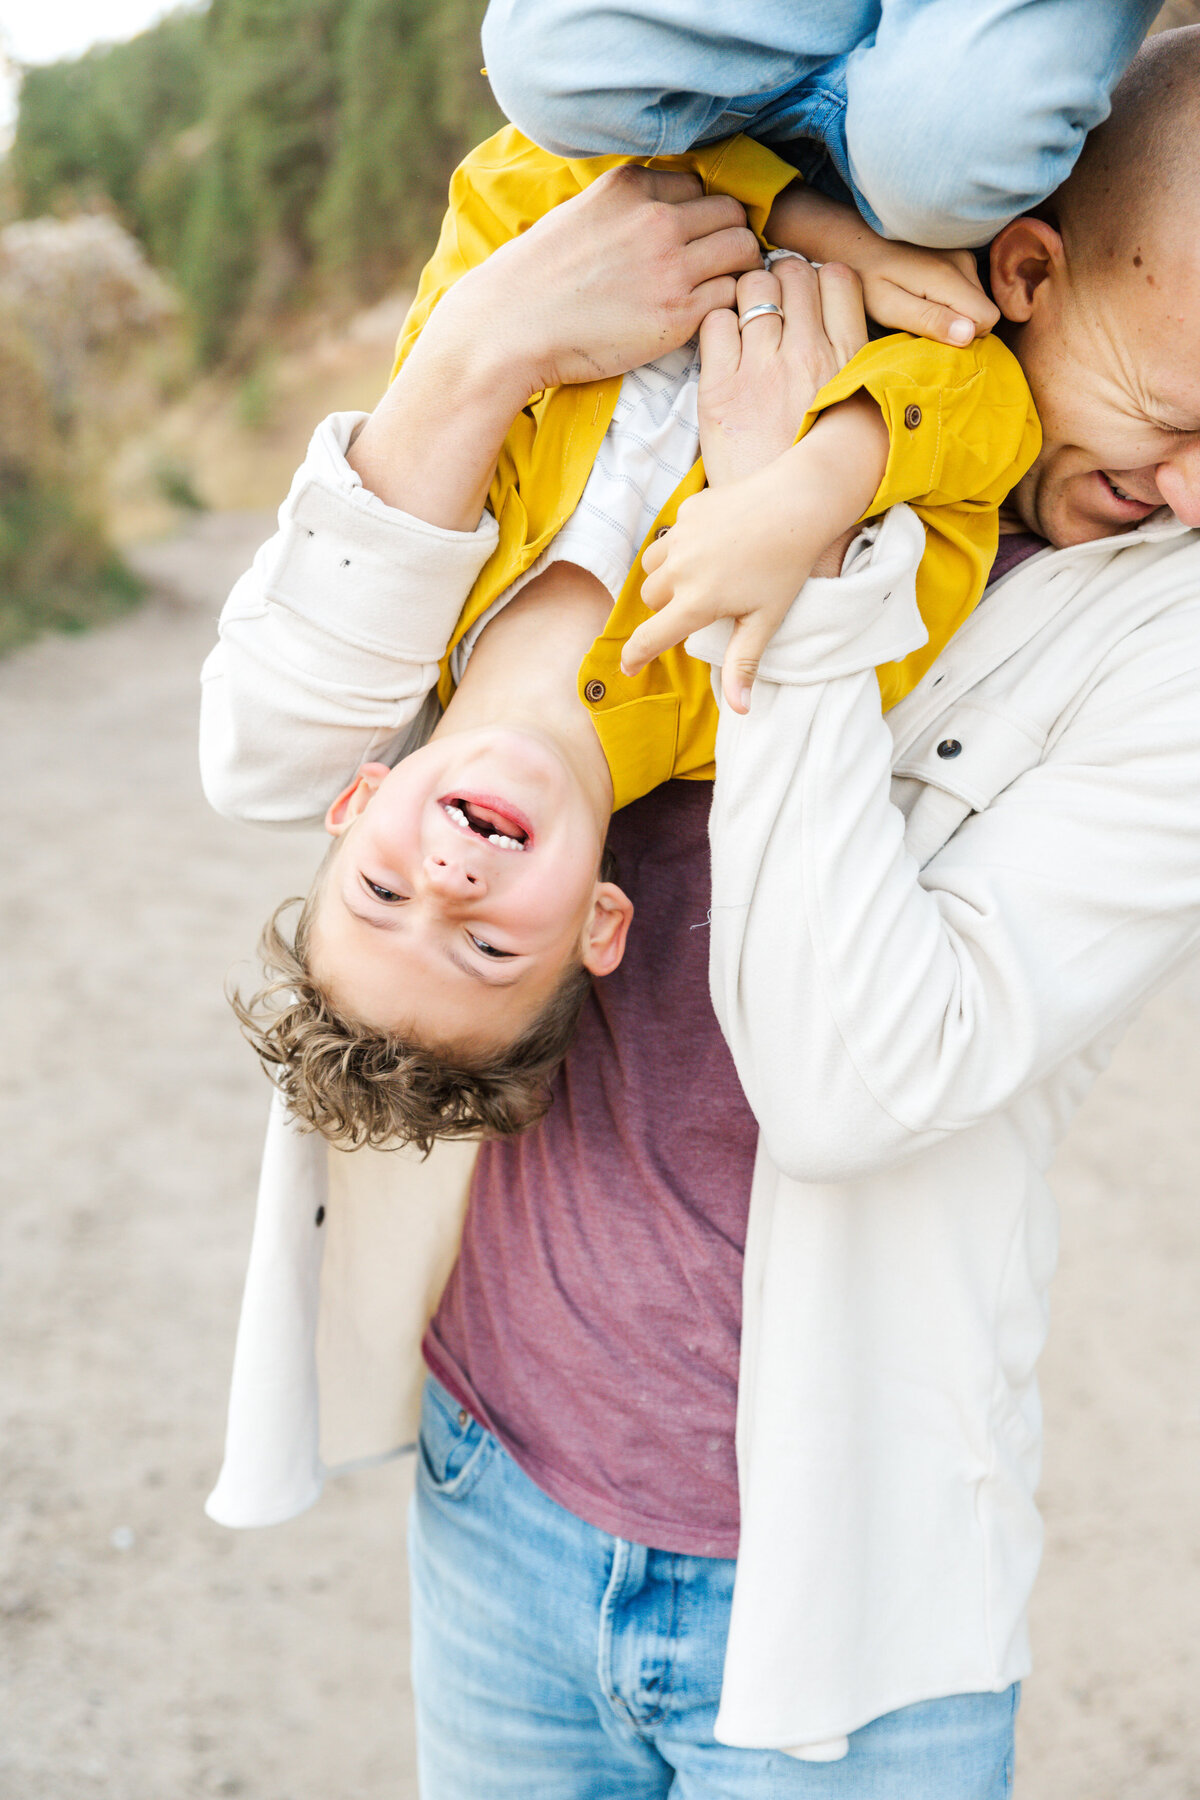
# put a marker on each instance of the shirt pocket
(958, 767)
(454, 1448)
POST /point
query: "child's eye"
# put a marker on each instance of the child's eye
(381, 893)
(487, 949)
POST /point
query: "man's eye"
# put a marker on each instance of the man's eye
(380, 893)
(487, 949)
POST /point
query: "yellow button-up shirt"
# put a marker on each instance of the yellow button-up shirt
(962, 426)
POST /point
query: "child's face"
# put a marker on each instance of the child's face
(464, 887)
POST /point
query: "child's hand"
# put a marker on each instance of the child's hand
(932, 293)
(756, 386)
(744, 547)
(735, 552)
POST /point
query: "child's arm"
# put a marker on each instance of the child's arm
(932, 293)
(956, 430)
(744, 551)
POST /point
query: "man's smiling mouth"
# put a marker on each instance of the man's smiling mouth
(1145, 507)
(495, 824)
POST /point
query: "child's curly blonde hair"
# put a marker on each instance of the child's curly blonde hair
(359, 1086)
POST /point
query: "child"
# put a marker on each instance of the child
(390, 1022)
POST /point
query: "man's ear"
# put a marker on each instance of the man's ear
(605, 932)
(1024, 256)
(352, 800)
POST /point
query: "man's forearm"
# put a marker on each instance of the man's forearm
(430, 447)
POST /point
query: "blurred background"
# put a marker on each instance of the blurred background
(210, 219)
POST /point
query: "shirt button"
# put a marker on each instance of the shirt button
(594, 692)
(949, 747)
(320, 1215)
(912, 417)
(662, 531)
(463, 1417)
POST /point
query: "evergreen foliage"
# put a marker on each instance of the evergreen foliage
(261, 148)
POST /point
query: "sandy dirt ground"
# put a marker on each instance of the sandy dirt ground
(146, 1654)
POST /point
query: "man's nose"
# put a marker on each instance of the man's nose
(1178, 481)
(454, 876)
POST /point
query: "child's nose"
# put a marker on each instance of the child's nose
(454, 877)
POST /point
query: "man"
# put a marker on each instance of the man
(990, 888)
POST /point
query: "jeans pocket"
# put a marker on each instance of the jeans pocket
(455, 1448)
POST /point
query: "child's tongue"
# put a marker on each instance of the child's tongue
(490, 819)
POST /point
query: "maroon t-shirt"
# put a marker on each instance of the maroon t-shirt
(593, 1318)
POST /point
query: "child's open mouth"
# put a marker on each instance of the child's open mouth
(497, 823)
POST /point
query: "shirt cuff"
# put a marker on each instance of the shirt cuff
(846, 624)
(375, 577)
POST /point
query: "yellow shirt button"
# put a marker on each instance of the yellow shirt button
(912, 417)
(594, 692)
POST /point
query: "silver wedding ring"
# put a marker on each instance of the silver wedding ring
(759, 312)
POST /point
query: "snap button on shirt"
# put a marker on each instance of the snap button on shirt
(912, 417)
(594, 691)
(949, 747)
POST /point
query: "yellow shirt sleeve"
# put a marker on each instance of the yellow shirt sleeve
(962, 423)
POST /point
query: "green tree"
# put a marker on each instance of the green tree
(90, 127)
(412, 102)
(260, 142)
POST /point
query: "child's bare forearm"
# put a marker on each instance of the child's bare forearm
(744, 551)
(822, 486)
(818, 228)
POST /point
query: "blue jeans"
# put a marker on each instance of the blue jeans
(553, 1662)
(945, 118)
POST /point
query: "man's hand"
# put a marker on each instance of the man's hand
(619, 274)
(932, 293)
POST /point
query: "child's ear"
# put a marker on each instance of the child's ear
(1025, 255)
(353, 799)
(605, 932)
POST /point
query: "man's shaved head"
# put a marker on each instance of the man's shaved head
(1100, 291)
(1140, 171)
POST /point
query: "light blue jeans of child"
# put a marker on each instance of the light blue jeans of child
(553, 1662)
(945, 118)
